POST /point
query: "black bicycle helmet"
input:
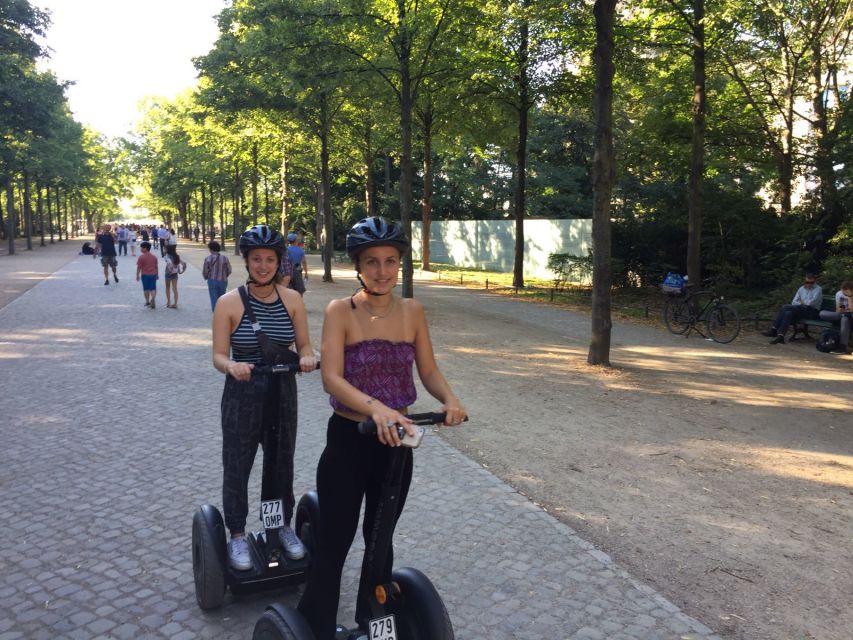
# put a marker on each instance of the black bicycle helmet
(375, 232)
(261, 237)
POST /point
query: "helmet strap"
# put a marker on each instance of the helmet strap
(368, 291)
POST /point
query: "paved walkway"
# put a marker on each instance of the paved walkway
(110, 423)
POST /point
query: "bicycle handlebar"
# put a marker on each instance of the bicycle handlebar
(368, 427)
(279, 368)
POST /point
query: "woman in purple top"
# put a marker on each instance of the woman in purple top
(370, 342)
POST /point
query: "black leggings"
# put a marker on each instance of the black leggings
(248, 409)
(351, 468)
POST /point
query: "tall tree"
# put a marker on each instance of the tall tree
(603, 176)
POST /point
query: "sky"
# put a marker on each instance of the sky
(117, 52)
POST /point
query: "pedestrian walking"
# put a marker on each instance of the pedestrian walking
(300, 264)
(147, 270)
(131, 240)
(174, 267)
(122, 240)
(105, 243)
(215, 270)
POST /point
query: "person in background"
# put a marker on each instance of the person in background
(131, 240)
(122, 240)
(843, 313)
(300, 264)
(804, 306)
(163, 237)
(215, 270)
(148, 272)
(105, 243)
(174, 267)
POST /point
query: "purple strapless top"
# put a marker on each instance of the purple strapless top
(382, 369)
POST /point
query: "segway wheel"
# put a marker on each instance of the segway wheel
(281, 623)
(421, 614)
(208, 570)
(308, 520)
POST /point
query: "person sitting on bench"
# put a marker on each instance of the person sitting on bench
(842, 313)
(804, 306)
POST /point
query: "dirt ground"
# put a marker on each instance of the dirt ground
(721, 475)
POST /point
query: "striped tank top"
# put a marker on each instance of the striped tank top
(274, 320)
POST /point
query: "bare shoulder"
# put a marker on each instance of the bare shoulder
(289, 296)
(337, 307)
(412, 306)
(231, 302)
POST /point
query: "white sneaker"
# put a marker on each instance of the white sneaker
(238, 554)
(293, 547)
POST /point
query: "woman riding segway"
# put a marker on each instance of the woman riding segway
(370, 341)
(237, 349)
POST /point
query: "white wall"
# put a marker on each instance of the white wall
(490, 244)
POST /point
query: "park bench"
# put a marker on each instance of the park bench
(340, 256)
(802, 326)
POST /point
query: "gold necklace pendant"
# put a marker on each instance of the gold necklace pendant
(376, 316)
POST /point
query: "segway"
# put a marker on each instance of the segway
(270, 567)
(406, 608)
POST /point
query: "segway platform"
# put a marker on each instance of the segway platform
(213, 573)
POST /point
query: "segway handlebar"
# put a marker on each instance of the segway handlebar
(368, 427)
(279, 368)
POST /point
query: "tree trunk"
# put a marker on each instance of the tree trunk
(10, 214)
(325, 179)
(426, 209)
(285, 193)
(28, 212)
(697, 156)
(254, 185)
(831, 213)
(40, 212)
(406, 103)
(523, 81)
(49, 214)
(266, 201)
(603, 175)
(236, 208)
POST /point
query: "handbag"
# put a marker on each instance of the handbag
(273, 353)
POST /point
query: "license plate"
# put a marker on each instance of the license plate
(272, 514)
(383, 629)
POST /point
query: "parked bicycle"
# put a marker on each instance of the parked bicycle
(686, 312)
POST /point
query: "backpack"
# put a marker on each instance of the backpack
(830, 340)
(87, 249)
(673, 284)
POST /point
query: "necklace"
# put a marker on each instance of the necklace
(377, 316)
(260, 297)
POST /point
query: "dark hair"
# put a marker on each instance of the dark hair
(213, 245)
(145, 245)
(811, 275)
(172, 252)
(847, 284)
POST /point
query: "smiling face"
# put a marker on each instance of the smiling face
(379, 268)
(262, 265)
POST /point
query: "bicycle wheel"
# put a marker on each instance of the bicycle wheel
(722, 323)
(676, 315)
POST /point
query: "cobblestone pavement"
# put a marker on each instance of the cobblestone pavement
(110, 422)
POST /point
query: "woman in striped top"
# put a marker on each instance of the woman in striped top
(250, 403)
